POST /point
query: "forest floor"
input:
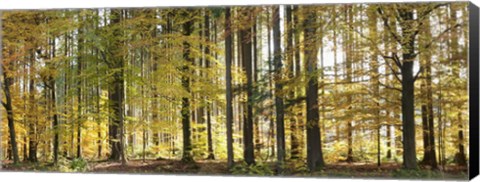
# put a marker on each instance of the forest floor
(216, 167)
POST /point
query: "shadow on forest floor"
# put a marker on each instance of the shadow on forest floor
(162, 166)
(216, 167)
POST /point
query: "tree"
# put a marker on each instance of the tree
(7, 82)
(115, 63)
(209, 105)
(456, 62)
(228, 80)
(52, 85)
(410, 27)
(429, 156)
(290, 50)
(32, 142)
(80, 61)
(314, 149)
(349, 57)
(374, 69)
(246, 49)
(187, 31)
(279, 107)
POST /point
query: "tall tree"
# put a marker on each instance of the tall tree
(32, 123)
(456, 56)
(279, 107)
(228, 80)
(410, 23)
(300, 124)
(374, 76)
(246, 49)
(349, 57)
(187, 31)
(80, 55)
(429, 156)
(314, 147)
(209, 104)
(115, 63)
(7, 67)
(294, 143)
(53, 98)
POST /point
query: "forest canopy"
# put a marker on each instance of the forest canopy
(260, 90)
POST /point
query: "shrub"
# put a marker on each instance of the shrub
(75, 165)
(79, 165)
(256, 169)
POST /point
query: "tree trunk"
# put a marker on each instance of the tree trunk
(25, 119)
(116, 94)
(228, 80)
(349, 59)
(389, 133)
(79, 91)
(314, 150)
(187, 146)
(294, 144)
(55, 124)
(299, 93)
(271, 130)
(245, 35)
(208, 104)
(32, 126)
(279, 107)
(427, 108)
(256, 120)
(460, 157)
(408, 95)
(8, 81)
(374, 65)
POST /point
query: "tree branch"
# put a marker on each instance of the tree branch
(397, 60)
(418, 73)
(393, 70)
(438, 37)
(386, 24)
(389, 87)
(425, 15)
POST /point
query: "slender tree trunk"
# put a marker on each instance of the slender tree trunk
(187, 146)
(25, 116)
(65, 90)
(256, 119)
(389, 133)
(79, 90)
(270, 86)
(279, 107)
(32, 127)
(374, 65)
(294, 144)
(228, 80)
(99, 124)
(300, 118)
(208, 104)
(349, 59)
(427, 108)
(460, 157)
(55, 124)
(245, 35)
